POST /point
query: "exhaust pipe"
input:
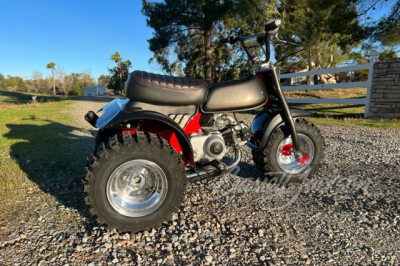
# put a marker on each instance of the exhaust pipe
(212, 171)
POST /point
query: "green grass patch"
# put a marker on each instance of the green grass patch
(8, 98)
(339, 114)
(328, 93)
(345, 115)
(40, 149)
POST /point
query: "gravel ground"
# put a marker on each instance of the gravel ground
(348, 214)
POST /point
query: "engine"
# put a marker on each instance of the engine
(208, 146)
(212, 145)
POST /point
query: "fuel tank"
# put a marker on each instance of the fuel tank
(236, 95)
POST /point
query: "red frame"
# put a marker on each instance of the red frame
(166, 132)
(193, 126)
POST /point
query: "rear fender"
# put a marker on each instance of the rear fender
(116, 117)
(266, 122)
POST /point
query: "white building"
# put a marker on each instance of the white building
(94, 91)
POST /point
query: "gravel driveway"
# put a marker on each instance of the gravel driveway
(348, 214)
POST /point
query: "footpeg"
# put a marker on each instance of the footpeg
(218, 169)
(221, 168)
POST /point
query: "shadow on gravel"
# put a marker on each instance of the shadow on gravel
(53, 155)
(248, 171)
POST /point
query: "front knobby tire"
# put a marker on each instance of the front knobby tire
(134, 183)
(277, 161)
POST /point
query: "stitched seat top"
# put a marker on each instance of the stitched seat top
(169, 82)
(165, 90)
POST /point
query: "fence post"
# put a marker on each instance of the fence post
(373, 58)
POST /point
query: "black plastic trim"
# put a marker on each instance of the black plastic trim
(180, 114)
(266, 122)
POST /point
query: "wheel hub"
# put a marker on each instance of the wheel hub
(137, 188)
(136, 179)
(285, 155)
(287, 149)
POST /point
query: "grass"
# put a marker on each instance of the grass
(340, 114)
(40, 150)
(10, 99)
(328, 93)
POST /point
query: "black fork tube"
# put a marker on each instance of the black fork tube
(288, 115)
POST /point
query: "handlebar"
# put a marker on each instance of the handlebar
(271, 27)
(254, 41)
(232, 39)
(224, 40)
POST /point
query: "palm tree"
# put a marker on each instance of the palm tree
(128, 65)
(52, 65)
(117, 59)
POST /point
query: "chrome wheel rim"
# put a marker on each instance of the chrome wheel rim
(137, 188)
(286, 159)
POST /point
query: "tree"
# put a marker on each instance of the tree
(103, 81)
(65, 82)
(117, 59)
(382, 24)
(128, 65)
(15, 84)
(175, 21)
(228, 61)
(77, 87)
(387, 54)
(387, 25)
(52, 65)
(116, 81)
(324, 31)
(80, 81)
(49, 85)
(185, 33)
(86, 78)
(390, 39)
(3, 85)
(37, 78)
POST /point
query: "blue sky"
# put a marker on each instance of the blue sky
(76, 35)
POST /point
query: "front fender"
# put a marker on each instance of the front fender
(266, 122)
(116, 116)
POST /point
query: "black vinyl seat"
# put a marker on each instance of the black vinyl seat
(165, 90)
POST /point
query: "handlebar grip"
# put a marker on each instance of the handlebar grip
(272, 25)
(224, 40)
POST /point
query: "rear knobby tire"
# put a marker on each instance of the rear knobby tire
(109, 180)
(103, 136)
(274, 164)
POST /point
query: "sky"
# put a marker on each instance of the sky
(76, 35)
